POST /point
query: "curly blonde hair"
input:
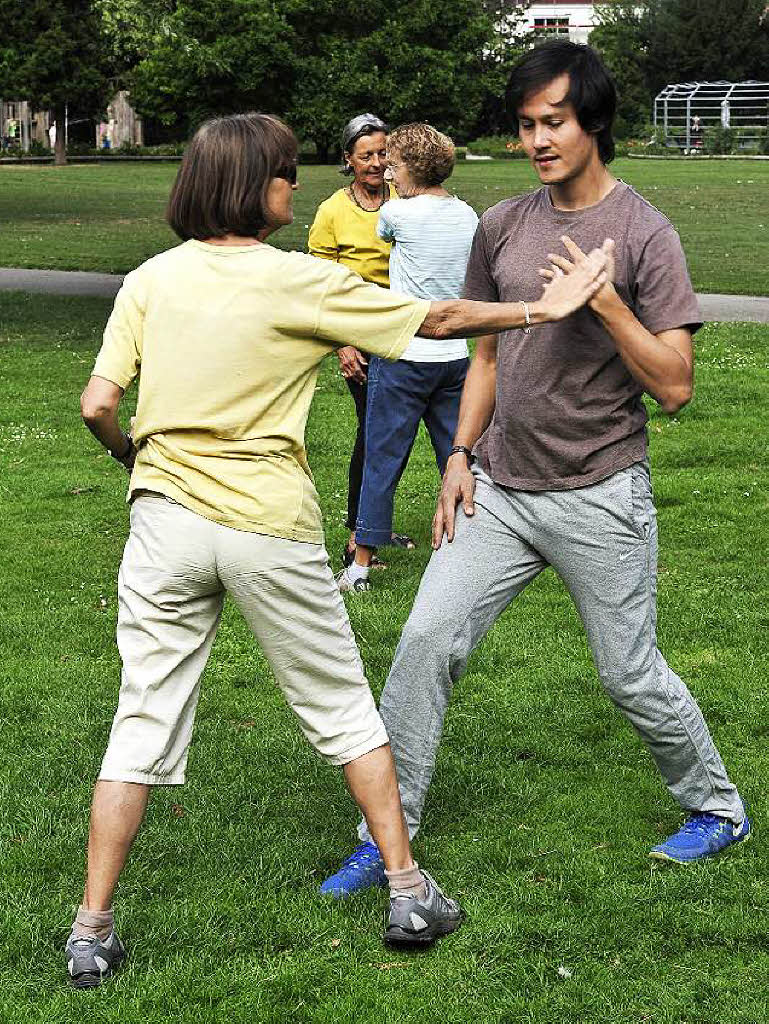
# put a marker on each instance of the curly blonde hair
(428, 153)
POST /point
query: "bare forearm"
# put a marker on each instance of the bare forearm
(660, 368)
(106, 428)
(479, 394)
(99, 408)
(458, 318)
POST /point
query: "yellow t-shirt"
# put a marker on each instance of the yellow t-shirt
(228, 340)
(343, 232)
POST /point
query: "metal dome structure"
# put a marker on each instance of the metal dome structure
(683, 111)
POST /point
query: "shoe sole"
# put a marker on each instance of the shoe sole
(346, 894)
(659, 855)
(401, 938)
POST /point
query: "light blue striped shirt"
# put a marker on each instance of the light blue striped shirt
(431, 238)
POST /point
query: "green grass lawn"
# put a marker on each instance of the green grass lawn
(543, 806)
(110, 217)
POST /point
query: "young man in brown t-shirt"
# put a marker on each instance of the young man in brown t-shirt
(549, 465)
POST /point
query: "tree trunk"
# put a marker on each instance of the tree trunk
(322, 149)
(60, 146)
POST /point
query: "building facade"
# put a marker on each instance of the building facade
(574, 21)
(21, 125)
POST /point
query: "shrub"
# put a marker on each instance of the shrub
(501, 147)
(753, 139)
(719, 141)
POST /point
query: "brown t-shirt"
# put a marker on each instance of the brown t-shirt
(568, 413)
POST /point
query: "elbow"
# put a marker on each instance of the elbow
(676, 398)
(92, 411)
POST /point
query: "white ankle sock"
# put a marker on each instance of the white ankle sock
(357, 572)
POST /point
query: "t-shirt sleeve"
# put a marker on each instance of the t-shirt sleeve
(479, 280)
(385, 227)
(374, 319)
(322, 238)
(121, 352)
(663, 295)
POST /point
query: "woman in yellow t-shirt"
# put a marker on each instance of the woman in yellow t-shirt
(344, 230)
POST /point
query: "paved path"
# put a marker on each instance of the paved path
(730, 308)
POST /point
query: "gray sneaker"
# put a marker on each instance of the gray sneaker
(415, 922)
(90, 961)
(346, 585)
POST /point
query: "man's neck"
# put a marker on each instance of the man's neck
(587, 189)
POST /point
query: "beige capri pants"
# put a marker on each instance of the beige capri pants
(176, 569)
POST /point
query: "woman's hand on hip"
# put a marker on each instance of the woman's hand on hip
(352, 364)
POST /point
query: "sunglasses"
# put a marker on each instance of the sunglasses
(288, 173)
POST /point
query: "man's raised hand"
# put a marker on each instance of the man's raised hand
(562, 268)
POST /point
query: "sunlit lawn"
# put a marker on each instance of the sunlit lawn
(544, 804)
(109, 217)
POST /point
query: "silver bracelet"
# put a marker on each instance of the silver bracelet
(527, 314)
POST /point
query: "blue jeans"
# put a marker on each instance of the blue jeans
(400, 394)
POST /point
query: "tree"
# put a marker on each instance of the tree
(53, 53)
(620, 36)
(650, 44)
(316, 62)
(508, 46)
(705, 40)
(214, 56)
(409, 60)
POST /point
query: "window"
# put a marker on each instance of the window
(556, 26)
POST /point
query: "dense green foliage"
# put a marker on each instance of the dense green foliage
(618, 37)
(651, 44)
(316, 62)
(543, 806)
(52, 53)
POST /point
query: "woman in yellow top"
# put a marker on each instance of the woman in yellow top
(344, 230)
(227, 335)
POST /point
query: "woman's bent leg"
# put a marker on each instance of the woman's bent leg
(288, 596)
(117, 812)
(170, 601)
(373, 785)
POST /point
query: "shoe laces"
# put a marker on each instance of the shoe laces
(701, 823)
(360, 857)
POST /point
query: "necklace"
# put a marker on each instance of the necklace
(370, 209)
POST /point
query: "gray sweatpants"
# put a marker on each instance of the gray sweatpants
(602, 542)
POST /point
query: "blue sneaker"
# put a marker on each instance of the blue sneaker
(363, 869)
(702, 835)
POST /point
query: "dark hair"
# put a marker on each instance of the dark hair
(592, 92)
(221, 187)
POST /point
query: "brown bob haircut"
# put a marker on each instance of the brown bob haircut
(221, 187)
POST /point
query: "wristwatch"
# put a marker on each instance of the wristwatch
(465, 451)
(129, 455)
